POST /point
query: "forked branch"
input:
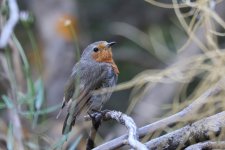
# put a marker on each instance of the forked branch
(132, 137)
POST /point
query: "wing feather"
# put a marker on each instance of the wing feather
(90, 77)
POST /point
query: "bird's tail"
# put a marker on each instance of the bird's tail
(72, 114)
(68, 124)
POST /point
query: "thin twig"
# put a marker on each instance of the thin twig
(17, 65)
(9, 26)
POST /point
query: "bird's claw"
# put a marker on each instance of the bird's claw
(97, 116)
(96, 119)
(102, 112)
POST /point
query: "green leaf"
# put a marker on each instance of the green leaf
(41, 112)
(39, 87)
(10, 139)
(7, 101)
(39, 98)
(2, 106)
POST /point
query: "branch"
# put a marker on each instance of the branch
(130, 125)
(9, 26)
(199, 131)
(184, 114)
(207, 145)
(132, 138)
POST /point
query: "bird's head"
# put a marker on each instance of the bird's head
(100, 51)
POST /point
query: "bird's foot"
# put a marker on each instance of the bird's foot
(97, 116)
(96, 119)
(102, 112)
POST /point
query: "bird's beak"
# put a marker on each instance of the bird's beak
(110, 44)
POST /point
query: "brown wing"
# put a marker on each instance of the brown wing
(69, 89)
(89, 78)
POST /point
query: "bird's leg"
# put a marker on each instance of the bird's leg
(96, 119)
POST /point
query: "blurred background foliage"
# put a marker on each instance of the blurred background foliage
(50, 36)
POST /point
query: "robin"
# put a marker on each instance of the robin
(95, 70)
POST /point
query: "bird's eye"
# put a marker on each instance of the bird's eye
(95, 49)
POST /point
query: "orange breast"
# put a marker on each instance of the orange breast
(115, 68)
(105, 55)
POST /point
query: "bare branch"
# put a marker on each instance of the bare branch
(199, 131)
(9, 26)
(207, 145)
(183, 115)
(132, 138)
(130, 125)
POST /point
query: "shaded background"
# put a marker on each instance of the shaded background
(148, 38)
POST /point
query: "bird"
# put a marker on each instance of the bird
(95, 70)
